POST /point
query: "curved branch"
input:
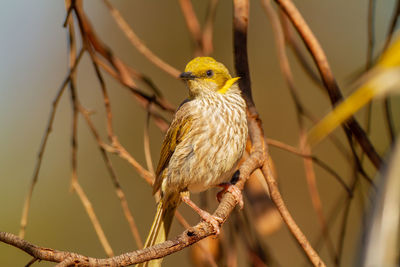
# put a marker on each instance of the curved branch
(351, 126)
(140, 46)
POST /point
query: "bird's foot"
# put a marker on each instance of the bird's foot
(213, 220)
(237, 194)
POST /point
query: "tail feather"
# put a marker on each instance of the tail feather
(160, 227)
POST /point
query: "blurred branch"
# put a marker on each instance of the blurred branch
(93, 218)
(208, 27)
(120, 193)
(25, 211)
(304, 147)
(351, 126)
(123, 72)
(387, 106)
(392, 26)
(240, 22)
(295, 45)
(192, 24)
(140, 46)
(202, 39)
(316, 160)
(371, 34)
(74, 146)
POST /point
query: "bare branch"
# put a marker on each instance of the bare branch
(136, 42)
(351, 126)
(25, 211)
(120, 193)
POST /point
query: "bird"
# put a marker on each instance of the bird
(202, 146)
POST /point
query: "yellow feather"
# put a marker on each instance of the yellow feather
(161, 225)
(228, 85)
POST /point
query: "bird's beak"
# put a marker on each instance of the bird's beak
(187, 76)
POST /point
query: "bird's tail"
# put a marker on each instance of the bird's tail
(161, 226)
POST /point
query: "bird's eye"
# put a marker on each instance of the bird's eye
(209, 73)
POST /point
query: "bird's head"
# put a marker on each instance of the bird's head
(205, 74)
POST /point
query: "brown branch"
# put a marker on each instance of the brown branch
(25, 211)
(92, 216)
(304, 148)
(241, 10)
(392, 26)
(298, 51)
(140, 46)
(74, 148)
(202, 39)
(389, 119)
(206, 252)
(389, 35)
(146, 143)
(142, 98)
(319, 162)
(208, 28)
(294, 229)
(351, 126)
(119, 150)
(121, 72)
(74, 100)
(371, 34)
(193, 25)
(32, 261)
(120, 193)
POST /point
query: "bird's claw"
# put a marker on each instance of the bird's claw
(237, 194)
(213, 220)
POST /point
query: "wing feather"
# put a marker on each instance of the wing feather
(177, 131)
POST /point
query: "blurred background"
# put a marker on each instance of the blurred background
(34, 62)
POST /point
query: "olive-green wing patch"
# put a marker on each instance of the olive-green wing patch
(177, 131)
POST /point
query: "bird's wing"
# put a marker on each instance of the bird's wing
(177, 131)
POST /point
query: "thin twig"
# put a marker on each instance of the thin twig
(319, 162)
(120, 193)
(388, 114)
(298, 52)
(25, 211)
(146, 143)
(193, 25)
(240, 22)
(392, 26)
(351, 126)
(371, 34)
(122, 72)
(119, 150)
(140, 46)
(294, 229)
(308, 164)
(389, 119)
(208, 28)
(93, 218)
(32, 261)
(79, 191)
